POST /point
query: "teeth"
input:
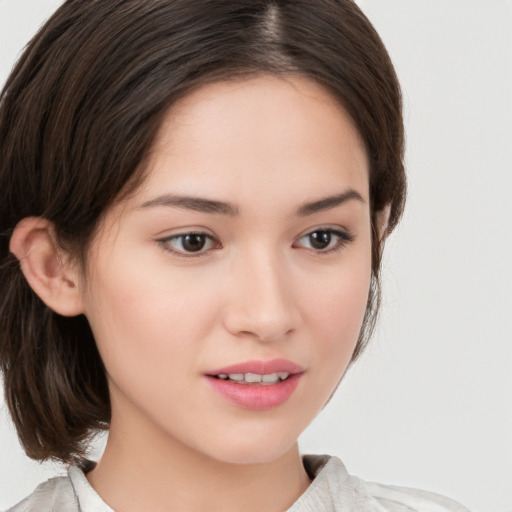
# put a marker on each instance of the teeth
(255, 378)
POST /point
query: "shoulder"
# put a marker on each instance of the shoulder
(54, 495)
(334, 489)
(404, 498)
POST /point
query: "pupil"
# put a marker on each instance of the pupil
(193, 243)
(320, 239)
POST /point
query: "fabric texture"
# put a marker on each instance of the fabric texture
(333, 489)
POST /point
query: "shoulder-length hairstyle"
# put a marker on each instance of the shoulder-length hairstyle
(78, 116)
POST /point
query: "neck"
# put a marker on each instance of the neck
(142, 471)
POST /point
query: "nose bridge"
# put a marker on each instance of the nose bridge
(262, 302)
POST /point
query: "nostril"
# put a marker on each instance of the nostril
(264, 310)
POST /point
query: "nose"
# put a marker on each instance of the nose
(262, 303)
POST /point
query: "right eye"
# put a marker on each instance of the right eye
(189, 244)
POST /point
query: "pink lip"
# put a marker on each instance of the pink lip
(260, 367)
(257, 397)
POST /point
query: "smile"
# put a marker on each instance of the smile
(257, 385)
(254, 378)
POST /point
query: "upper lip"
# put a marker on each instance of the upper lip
(260, 367)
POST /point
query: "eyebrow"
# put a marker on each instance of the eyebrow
(327, 203)
(203, 205)
(197, 204)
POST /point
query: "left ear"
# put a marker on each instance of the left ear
(382, 221)
(46, 266)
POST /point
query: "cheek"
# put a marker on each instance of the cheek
(337, 325)
(335, 311)
(140, 312)
(339, 302)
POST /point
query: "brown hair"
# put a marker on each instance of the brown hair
(78, 115)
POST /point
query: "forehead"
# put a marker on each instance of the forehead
(262, 135)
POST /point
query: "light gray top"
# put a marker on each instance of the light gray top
(332, 490)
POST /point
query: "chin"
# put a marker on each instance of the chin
(253, 451)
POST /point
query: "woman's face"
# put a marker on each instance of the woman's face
(245, 253)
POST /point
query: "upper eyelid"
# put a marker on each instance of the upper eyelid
(182, 231)
(337, 230)
(187, 233)
(344, 238)
(165, 243)
(333, 229)
(204, 232)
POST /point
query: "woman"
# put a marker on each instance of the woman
(195, 197)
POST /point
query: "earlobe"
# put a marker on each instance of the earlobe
(46, 267)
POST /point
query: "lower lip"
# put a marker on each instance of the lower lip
(256, 397)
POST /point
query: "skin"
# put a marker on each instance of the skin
(258, 290)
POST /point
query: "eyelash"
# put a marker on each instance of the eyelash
(343, 238)
(166, 244)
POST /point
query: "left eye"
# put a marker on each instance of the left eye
(188, 243)
(324, 240)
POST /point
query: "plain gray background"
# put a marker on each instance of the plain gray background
(429, 405)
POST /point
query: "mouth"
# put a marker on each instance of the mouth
(268, 372)
(257, 385)
(266, 379)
